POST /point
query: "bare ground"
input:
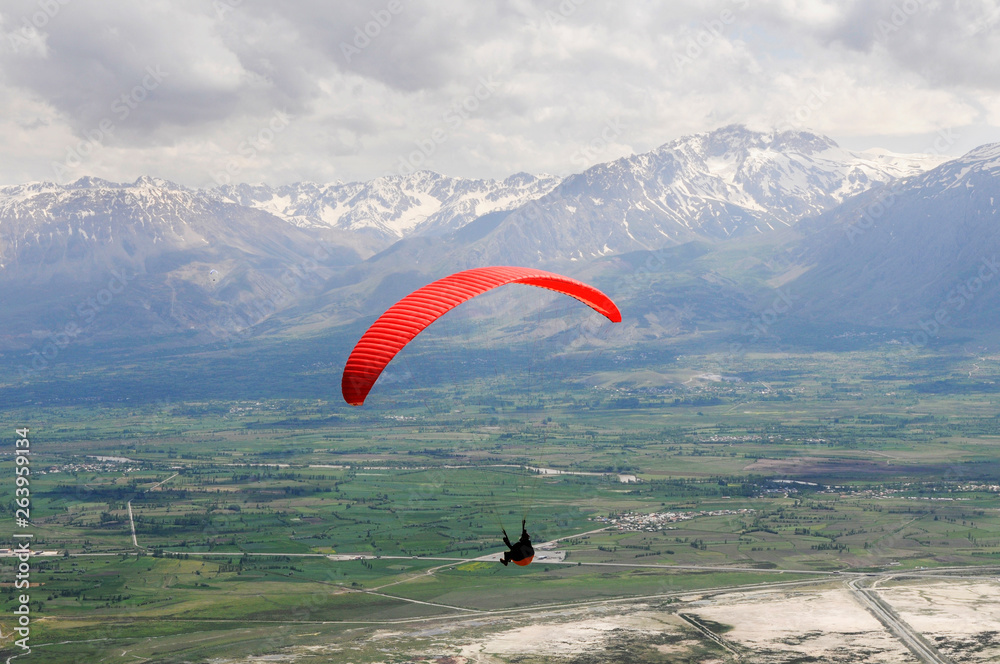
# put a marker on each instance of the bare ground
(961, 618)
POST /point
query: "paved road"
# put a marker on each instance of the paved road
(859, 583)
(695, 622)
(912, 639)
(132, 523)
(131, 520)
(924, 652)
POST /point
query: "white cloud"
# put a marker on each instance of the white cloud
(560, 72)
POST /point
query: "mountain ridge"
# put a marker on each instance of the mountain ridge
(259, 243)
(895, 249)
(731, 182)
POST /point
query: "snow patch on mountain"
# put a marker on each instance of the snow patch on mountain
(393, 206)
(726, 183)
(721, 184)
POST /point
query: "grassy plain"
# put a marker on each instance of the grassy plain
(266, 522)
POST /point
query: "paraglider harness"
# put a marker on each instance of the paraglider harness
(520, 551)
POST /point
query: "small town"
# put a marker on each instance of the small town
(656, 521)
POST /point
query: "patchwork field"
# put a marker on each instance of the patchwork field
(720, 520)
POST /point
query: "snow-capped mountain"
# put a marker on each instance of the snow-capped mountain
(50, 229)
(789, 175)
(176, 259)
(391, 207)
(923, 250)
(726, 183)
(233, 256)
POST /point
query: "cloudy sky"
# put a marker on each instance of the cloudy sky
(203, 92)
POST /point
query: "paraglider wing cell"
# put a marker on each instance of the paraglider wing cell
(411, 315)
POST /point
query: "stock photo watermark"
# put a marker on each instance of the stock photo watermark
(803, 110)
(709, 32)
(959, 296)
(761, 324)
(293, 279)
(121, 108)
(887, 196)
(31, 23)
(899, 15)
(86, 313)
(364, 35)
(251, 146)
(459, 111)
(223, 7)
(586, 155)
(563, 11)
(22, 549)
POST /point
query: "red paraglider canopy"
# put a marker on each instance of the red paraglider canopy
(411, 315)
(524, 561)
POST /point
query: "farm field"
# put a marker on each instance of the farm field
(304, 529)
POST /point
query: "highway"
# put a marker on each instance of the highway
(861, 584)
(913, 640)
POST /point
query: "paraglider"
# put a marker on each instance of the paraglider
(521, 551)
(214, 276)
(410, 316)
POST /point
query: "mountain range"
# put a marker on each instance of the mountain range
(695, 233)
